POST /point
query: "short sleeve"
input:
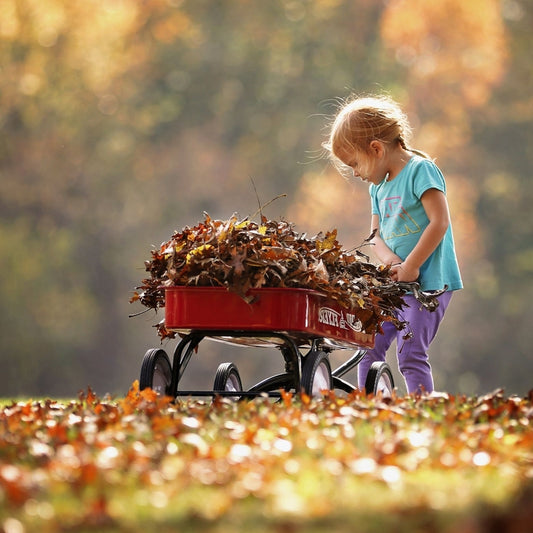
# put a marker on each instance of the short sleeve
(374, 200)
(428, 176)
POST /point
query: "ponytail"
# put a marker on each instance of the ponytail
(404, 145)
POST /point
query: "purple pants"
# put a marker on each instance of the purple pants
(412, 353)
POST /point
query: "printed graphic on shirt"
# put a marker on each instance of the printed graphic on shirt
(392, 207)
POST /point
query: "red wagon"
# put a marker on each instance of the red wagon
(293, 320)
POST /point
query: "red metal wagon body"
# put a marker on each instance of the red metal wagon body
(302, 314)
(288, 318)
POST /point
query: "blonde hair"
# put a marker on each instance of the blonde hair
(360, 121)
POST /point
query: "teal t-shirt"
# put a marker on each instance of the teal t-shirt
(402, 219)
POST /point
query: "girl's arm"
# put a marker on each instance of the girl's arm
(436, 207)
(384, 253)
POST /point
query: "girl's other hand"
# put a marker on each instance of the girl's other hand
(404, 272)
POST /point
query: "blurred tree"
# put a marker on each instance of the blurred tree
(450, 73)
(121, 121)
(503, 130)
(124, 120)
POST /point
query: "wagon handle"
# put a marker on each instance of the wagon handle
(428, 299)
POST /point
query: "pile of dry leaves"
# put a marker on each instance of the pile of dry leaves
(242, 255)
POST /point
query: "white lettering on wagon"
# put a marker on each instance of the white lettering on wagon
(331, 317)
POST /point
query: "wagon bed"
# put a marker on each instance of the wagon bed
(303, 314)
(290, 319)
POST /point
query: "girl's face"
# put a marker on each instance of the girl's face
(367, 166)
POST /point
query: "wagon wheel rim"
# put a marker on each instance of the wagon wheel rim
(384, 386)
(232, 384)
(160, 380)
(321, 380)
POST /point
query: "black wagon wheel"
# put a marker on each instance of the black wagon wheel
(379, 379)
(227, 378)
(316, 373)
(156, 371)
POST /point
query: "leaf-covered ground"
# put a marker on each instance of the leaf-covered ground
(355, 464)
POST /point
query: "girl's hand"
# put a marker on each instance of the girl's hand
(404, 272)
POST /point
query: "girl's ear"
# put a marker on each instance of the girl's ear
(377, 148)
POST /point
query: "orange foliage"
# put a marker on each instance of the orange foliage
(462, 197)
(459, 45)
(132, 459)
(326, 200)
(455, 54)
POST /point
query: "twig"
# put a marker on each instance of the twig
(261, 207)
(258, 200)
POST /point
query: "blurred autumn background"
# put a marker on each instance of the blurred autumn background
(123, 120)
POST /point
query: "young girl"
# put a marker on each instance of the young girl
(411, 221)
